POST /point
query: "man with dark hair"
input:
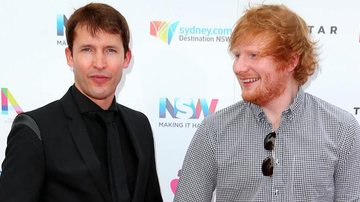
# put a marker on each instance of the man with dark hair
(85, 146)
(279, 143)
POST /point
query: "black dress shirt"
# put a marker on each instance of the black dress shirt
(97, 135)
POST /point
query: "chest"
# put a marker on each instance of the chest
(305, 162)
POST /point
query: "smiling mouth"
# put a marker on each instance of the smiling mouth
(249, 80)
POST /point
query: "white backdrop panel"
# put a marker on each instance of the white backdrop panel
(182, 72)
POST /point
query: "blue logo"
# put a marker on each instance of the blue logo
(186, 108)
(61, 22)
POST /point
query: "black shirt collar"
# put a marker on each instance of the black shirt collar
(85, 105)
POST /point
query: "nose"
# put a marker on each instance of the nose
(240, 65)
(99, 60)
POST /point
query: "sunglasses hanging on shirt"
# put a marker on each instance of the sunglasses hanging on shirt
(268, 163)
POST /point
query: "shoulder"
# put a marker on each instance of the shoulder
(132, 114)
(227, 115)
(130, 111)
(331, 117)
(54, 108)
(327, 110)
(137, 122)
(215, 124)
(46, 111)
(52, 117)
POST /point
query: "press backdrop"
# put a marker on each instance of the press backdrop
(181, 69)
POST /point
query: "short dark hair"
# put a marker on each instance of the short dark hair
(98, 17)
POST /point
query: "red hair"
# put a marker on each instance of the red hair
(286, 34)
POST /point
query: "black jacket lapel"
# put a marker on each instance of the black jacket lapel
(142, 165)
(82, 141)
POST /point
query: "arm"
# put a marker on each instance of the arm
(347, 174)
(153, 189)
(152, 192)
(199, 172)
(23, 167)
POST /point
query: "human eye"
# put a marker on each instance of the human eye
(253, 56)
(111, 50)
(86, 49)
(236, 55)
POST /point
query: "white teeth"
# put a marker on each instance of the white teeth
(250, 80)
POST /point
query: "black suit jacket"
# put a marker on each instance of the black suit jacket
(63, 166)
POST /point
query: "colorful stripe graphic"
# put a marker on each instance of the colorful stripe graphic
(163, 30)
(6, 97)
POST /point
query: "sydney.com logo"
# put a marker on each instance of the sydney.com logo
(165, 31)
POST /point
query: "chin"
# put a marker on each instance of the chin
(248, 96)
(255, 99)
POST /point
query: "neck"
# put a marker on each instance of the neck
(275, 107)
(104, 104)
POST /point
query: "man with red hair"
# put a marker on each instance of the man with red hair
(279, 143)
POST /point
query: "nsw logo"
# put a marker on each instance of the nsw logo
(181, 108)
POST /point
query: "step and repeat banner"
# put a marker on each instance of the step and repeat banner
(181, 69)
